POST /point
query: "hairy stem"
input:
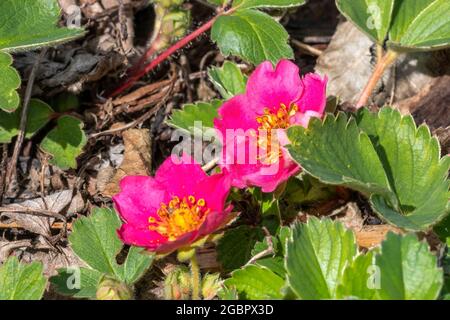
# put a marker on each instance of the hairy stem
(383, 63)
(195, 276)
(167, 53)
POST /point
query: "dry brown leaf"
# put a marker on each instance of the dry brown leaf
(372, 235)
(136, 160)
(55, 202)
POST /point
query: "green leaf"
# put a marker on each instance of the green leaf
(9, 83)
(95, 241)
(359, 279)
(21, 281)
(136, 264)
(39, 114)
(373, 17)
(65, 143)
(247, 4)
(235, 247)
(228, 79)
(256, 283)
(421, 25)
(336, 152)
(29, 24)
(391, 161)
(317, 253)
(196, 118)
(78, 283)
(252, 35)
(408, 270)
(410, 157)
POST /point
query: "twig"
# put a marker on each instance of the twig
(174, 48)
(12, 168)
(36, 212)
(211, 164)
(15, 225)
(306, 48)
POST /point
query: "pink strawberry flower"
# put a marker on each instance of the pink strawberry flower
(274, 100)
(177, 207)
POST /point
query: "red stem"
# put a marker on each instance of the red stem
(163, 56)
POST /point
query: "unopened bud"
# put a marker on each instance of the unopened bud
(177, 285)
(210, 285)
(112, 289)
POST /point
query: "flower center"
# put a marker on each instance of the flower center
(179, 217)
(269, 149)
(277, 120)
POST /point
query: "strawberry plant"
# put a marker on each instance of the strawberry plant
(212, 135)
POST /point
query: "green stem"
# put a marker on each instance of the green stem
(195, 274)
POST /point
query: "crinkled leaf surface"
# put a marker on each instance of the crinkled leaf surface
(29, 24)
(256, 283)
(38, 116)
(9, 83)
(383, 156)
(65, 142)
(20, 281)
(317, 253)
(411, 159)
(94, 239)
(252, 35)
(78, 283)
(408, 270)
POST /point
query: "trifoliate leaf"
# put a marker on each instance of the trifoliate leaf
(20, 281)
(408, 270)
(197, 118)
(95, 241)
(252, 35)
(39, 114)
(383, 156)
(256, 283)
(410, 157)
(228, 79)
(9, 83)
(317, 253)
(29, 24)
(65, 142)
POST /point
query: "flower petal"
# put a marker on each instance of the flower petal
(142, 237)
(179, 176)
(139, 198)
(214, 189)
(214, 221)
(314, 94)
(269, 88)
(181, 241)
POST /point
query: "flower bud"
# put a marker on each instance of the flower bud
(177, 285)
(210, 286)
(112, 289)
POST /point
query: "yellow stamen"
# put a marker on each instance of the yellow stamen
(270, 121)
(181, 216)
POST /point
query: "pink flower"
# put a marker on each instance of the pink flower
(177, 207)
(274, 100)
